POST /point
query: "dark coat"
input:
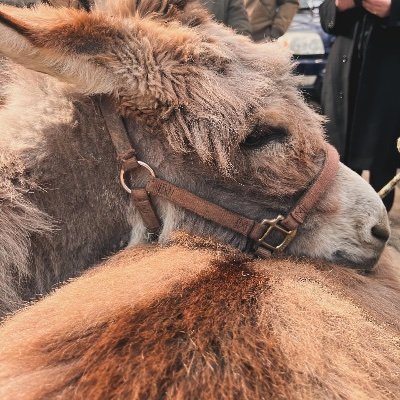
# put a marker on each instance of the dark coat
(361, 90)
(230, 12)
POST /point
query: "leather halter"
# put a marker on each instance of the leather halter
(258, 232)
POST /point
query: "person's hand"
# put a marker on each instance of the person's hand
(343, 5)
(380, 8)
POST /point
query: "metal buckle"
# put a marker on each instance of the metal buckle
(122, 175)
(274, 224)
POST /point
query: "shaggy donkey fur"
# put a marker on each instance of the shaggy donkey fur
(200, 321)
(84, 221)
(44, 160)
(210, 111)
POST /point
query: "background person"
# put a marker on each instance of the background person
(361, 90)
(230, 12)
(270, 19)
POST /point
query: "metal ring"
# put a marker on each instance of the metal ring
(122, 175)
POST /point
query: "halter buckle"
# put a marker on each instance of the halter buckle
(274, 224)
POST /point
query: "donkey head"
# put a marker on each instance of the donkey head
(209, 111)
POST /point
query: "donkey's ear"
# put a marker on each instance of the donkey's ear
(143, 60)
(71, 45)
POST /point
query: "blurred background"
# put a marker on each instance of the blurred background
(310, 46)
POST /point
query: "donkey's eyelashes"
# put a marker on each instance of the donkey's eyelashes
(263, 134)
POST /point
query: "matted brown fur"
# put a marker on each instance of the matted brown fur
(190, 335)
(191, 322)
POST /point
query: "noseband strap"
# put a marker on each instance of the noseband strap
(258, 232)
(326, 176)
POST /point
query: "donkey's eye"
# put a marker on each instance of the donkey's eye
(261, 135)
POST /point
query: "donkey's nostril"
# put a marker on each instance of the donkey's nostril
(381, 232)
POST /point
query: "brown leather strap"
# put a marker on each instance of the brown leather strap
(201, 207)
(246, 226)
(144, 205)
(315, 191)
(117, 132)
(298, 213)
(127, 157)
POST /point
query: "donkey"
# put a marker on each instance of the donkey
(197, 320)
(208, 110)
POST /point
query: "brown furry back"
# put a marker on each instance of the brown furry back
(168, 345)
(185, 323)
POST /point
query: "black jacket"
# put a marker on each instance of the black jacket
(361, 90)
